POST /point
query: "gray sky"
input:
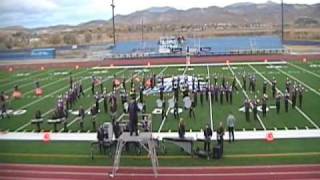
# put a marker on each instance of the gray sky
(37, 13)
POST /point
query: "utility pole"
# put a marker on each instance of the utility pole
(282, 21)
(113, 25)
(142, 35)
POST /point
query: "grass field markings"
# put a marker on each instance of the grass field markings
(210, 99)
(304, 84)
(48, 95)
(245, 93)
(46, 85)
(297, 108)
(168, 109)
(51, 110)
(23, 79)
(262, 155)
(305, 70)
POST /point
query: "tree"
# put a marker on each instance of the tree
(88, 37)
(55, 39)
(70, 39)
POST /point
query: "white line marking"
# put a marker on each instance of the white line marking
(245, 93)
(268, 173)
(304, 84)
(51, 110)
(210, 100)
(297, 108)
(305, 70)
(48, 95)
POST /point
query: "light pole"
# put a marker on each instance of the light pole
(282, 21)
(113, 25)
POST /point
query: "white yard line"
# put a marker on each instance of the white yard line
(245, 93)
(305, 70)
(168, 109)
(47, 85)
(297, 108)
(23, 79)
(210, 100)
(48, 95)
(304, 84)
(51, 110)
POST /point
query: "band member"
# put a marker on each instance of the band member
(220, 134)
(231, 120)
(195, 98)
(227, 92)
(264, 87)
(82, 116)
(198, 86)
(70, 81)
(247, 109)
(191, 111)
(244, 81)
(4, 111)
(286, 100)
(255, 104)
(113, 105)
(294, 96)
(264, 105)
(124, 99)
(101, 87)
(105, 102)
(132, 83)
(278, 99)
(207, 89)
(300, 94)
(97, 98)
(216, 92)
(181, 128)
(193, 83)
(176, 93)
(274, 84)
(162, 80)
(221, 90)
(288, 85)
(94, 112)
(133, 117)
(176, 109)
(234, 85)
(223, 82)
(141, 93)
(133, 93)
(207, 138)
(230, 94)
(81, 89)
(163, 111)
(124, 84)
(215, 79)
(92, 85)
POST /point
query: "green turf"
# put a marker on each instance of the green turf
(56, 85)
(79, 153)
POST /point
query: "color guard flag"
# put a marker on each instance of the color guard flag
(16, 94)
(38, 92)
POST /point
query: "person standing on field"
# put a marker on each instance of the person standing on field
(231, 120)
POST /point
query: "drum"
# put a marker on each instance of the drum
(126, 106)
(171, 103)
(159, 103)
(140, 106)
(187, 102)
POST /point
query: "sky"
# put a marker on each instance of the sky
(41, 13)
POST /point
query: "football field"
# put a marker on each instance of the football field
(55, 82)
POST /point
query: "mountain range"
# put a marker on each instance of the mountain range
(239, 13)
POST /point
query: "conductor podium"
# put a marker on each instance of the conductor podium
(145, 140)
